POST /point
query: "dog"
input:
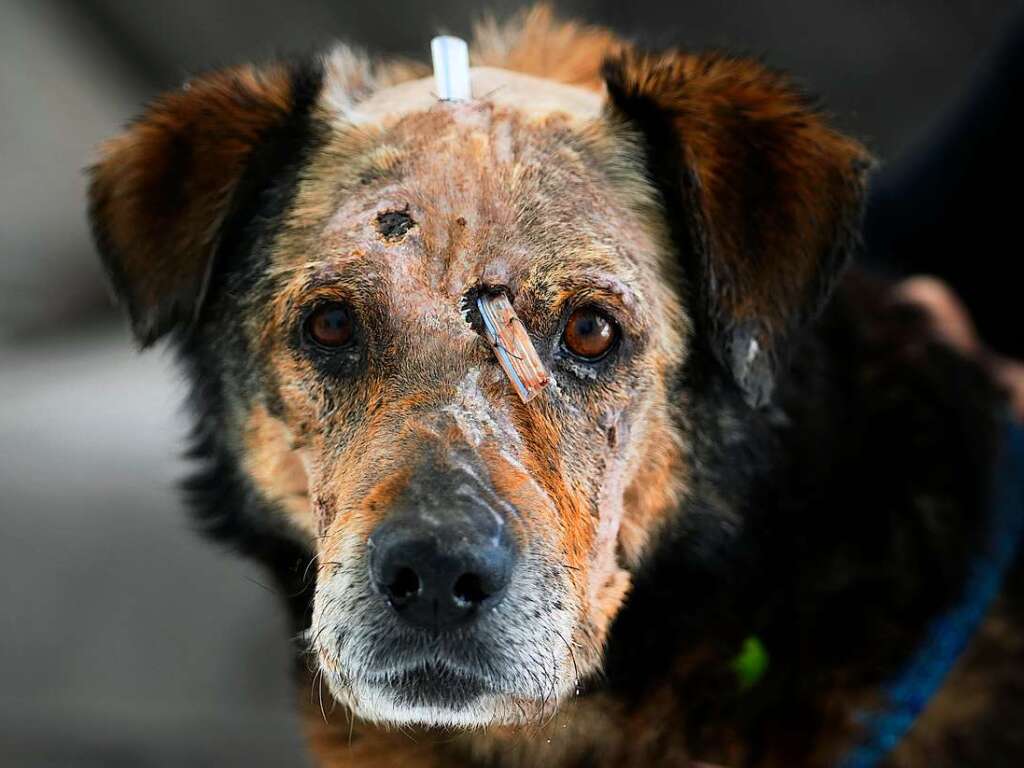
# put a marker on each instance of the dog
(755, 482)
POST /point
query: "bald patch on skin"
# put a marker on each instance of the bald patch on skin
(477, 417)
(532, 97)
(278, 467)
(657, 487)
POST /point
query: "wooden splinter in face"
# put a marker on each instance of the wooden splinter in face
(505, 332)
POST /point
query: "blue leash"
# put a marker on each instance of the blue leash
(910, 691)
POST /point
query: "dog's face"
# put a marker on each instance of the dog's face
(324, 242)
(467, 541)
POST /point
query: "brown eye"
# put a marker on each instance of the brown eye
(589, 334)
(330, 325)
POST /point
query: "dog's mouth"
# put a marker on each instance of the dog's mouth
(441, 690)
(434, 694)
(432, 685)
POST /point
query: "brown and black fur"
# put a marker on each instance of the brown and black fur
(815, 465)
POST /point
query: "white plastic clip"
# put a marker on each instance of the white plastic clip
(451, 68)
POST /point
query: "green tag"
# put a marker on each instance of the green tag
(750, 663)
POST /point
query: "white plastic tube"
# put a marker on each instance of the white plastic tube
(451, 68)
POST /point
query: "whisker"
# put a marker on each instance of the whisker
(551, 693)
(316, 637)
(260, 584)
(576, 669)
(320, 694)
(312, 682)
(305, 572)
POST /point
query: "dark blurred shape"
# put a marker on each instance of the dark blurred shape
(952, 207)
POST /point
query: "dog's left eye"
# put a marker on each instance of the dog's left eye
(330, 325)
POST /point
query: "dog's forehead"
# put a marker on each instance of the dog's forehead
(511, 182)
(486, 183)
(523, 143)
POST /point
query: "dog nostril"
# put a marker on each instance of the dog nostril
(405, 585)
(469, 590)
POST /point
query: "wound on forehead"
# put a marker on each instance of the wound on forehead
(393, 225)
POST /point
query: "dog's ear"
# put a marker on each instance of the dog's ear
(764, 198)
(164, 190)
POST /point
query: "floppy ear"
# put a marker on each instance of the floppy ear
(164, 191)
(763, 197)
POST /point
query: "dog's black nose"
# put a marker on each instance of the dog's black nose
(439, 573)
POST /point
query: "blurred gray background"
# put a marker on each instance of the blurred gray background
(124, 638)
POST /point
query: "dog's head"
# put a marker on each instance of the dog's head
(315, 235)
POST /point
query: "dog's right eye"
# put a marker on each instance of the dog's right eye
(330, 325)
(589, 334)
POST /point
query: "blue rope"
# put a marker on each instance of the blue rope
(911, 690)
